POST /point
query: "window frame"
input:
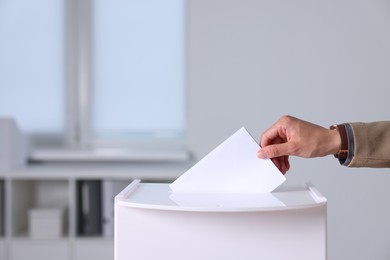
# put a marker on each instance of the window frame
(78, 29)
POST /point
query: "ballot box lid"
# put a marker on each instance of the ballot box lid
(159, 196)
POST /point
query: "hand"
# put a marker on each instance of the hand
(292, 136)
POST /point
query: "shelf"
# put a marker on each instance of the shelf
(161, 172)
(25, 239)
(93, 248)
(56, 185)
(21, 249)
(37, 194)
(95, 206)
(97, 239)
(3, 247)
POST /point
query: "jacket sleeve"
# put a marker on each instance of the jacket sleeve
(371, 144)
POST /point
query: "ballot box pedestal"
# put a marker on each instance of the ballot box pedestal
(150, 223)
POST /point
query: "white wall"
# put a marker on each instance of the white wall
(328, 62)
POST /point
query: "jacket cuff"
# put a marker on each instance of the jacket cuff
(351, 146)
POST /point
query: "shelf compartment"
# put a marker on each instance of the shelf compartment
(37, 194)
(95, 206)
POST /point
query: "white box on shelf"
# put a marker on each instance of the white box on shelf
(289, 223)
(46, 223)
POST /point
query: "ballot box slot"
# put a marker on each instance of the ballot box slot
(158, 196)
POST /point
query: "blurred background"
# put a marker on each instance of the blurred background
(115, 84)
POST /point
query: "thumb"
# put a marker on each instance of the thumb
(274, 150)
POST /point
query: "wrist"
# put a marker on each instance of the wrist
(340, 145)
(334, 141)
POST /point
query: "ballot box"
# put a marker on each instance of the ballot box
(151, 222)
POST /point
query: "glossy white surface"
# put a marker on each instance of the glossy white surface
(159, 196)
(145, 215)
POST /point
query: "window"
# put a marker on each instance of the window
(32, 64)
(138, 69)
(95, 73)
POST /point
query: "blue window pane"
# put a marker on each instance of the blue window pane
(32, 64)
(139, 68)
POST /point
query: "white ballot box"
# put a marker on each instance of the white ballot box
(151, 222)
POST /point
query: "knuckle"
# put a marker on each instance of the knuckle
(273, 151)
(294, 148)
(286, 118)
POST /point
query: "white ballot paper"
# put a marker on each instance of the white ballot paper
(232, 167)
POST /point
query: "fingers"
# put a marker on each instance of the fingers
(276, 143)
(278, 153)
(270, 135)
(282, 163)
(275, 150)
(278, 163)
(286, 165)
(278, 130)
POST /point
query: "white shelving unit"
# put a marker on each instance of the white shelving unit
(54, 186)
(2, 248)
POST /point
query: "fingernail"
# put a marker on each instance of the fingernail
(262, 154)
